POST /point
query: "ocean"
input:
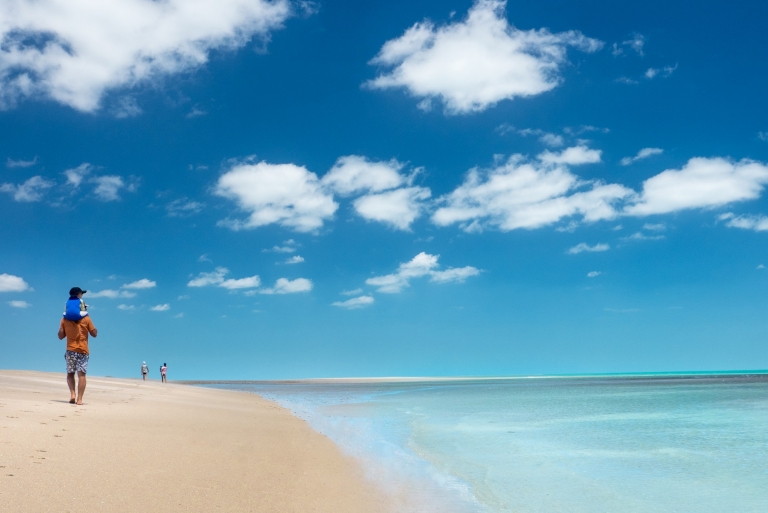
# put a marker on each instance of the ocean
(660, 443)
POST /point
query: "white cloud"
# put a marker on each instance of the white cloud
(296, 259)
(701, 183)
(285, 194)
(548, 138)
(636, 43)
(11, 283)
(72, 51)
(183, 207)
(574, 156)
(126, 307)
(666, 71)
(216, 278)
(398, 208)
(421, 265)
(10, 163)
(204, 258)
(355, 303)
(527, 194)
(111, 294)
(593, 274)
(626, 80)
(213, 278)
(29, 191)
(126, 107)
(75, 175)
(354, 292)
(161, 308)
(354, 174)
(288, 246)
(655, 227)
(763, 136)
(454, 274)
(286, 286)
(19, 304)
(756, 223)
(761, 266)
(474, 63)
(108, 187)
(642, 236)
(583, 246)
(242, 283)
(642, 154)
(143, 283)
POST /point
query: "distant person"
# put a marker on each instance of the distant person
(77, 353)
(163, 370)
(144, 370)
(75, 308)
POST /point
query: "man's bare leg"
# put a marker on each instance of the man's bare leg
(71, 384)
(80, 386)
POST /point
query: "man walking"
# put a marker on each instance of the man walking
(77, 353)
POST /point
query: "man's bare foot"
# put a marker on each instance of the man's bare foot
(79, 402)
(72, 401)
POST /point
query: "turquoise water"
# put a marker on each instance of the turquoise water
(698, 444)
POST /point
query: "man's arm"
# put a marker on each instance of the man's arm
(62, 333)
(94, 332)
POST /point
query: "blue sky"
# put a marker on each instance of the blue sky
(258, 190)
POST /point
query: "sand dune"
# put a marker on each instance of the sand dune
(148, 447)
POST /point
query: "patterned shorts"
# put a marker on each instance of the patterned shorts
(76, 362)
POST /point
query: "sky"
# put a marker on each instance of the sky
(254, 189)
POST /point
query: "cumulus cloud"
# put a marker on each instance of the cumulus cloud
(642, 154)
(295, 259)
(473, 64)
(655, 227)
(755, 223)
(583, 246)
(217, 278)
(388, 196)
(593, 274)
(10, 163)
(355, 303)
(126, 307)
(643, 236)
(72, 51)
(398, 208)
(421, 265)
(701, 183)
(529, 194)
(19, 304)
(108, 187)
(161, 308)
(111, 294)
(205, 279)
(11, 283)
(353, 292)
(284, 194)
(143, 283)
(76, 175)
(29, 191)
(241, 283)
(353, 174)
(574, 156)
(286, 286)
(288, 246)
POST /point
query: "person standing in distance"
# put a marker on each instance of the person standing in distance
(163, 370)
(144, 370)
(77, 354)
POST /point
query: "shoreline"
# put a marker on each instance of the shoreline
(166, 447)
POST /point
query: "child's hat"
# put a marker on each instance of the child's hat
(76, 290)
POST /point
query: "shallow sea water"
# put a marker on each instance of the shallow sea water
(651, 444)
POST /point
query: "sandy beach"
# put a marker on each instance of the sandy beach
(144, 446)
